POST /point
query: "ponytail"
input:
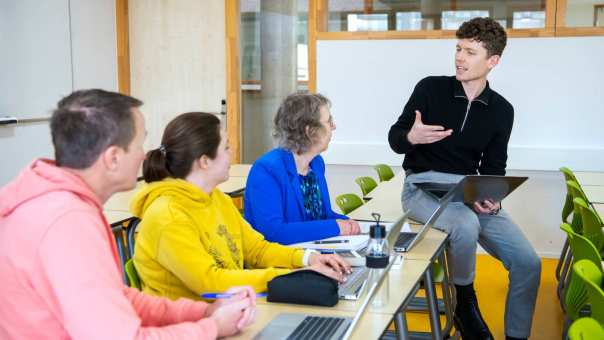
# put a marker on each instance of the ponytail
(186, 138)
(155, 166)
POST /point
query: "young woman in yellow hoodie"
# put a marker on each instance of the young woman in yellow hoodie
(192, 239)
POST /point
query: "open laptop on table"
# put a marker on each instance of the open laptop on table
(313, 327)
(353, 287)
(406, 240)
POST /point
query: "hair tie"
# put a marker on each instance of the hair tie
(162, 149)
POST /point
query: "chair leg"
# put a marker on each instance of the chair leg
(562, 258)
(564, 276)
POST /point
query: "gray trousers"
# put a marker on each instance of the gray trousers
(497, 234)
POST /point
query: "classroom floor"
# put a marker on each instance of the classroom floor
(491, 287)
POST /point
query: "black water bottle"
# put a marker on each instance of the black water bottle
(377, 259)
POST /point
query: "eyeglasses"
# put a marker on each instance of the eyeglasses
(330, 121)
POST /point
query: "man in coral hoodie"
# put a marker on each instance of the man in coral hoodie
(58, 261)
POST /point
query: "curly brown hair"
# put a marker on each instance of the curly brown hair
(298, 112)
(487, 31)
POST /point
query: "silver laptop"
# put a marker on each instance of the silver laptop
(314, 327)
(407, 240)
(472, 188)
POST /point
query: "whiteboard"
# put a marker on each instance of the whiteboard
(554, 84)
(35, 56)
(48, 49)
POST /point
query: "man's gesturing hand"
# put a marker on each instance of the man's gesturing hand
(421, 133)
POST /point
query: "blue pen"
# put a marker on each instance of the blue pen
(226, 295)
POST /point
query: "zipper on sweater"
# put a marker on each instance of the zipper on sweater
(466, 116)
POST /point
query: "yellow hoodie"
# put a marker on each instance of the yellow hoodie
(191, 243)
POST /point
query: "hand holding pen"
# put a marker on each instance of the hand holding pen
(234, 313)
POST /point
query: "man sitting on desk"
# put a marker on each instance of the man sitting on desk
(456, 126)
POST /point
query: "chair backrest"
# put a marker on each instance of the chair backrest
(568, 174)
(583, 249)
(384, 171)
(591, 277)
(118, 233)
(348, 202)
(591, 225)
(586, 329)
(366, 183)
(133, 279)
(567, 209)
(574, 190)
(131, 234)
(575, 294)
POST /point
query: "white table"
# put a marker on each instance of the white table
(594, 193)
(403, 282)
(590, 178)
(599, 209)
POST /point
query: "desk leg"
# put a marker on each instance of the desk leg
(448, 294)
(400, 322)
(432, 304)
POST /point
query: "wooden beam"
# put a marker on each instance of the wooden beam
(368, 7)
(233, 81)
(550, 14)
(317, 23)
(560, 14)
(123, 46)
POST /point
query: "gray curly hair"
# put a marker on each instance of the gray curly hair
(298, 111)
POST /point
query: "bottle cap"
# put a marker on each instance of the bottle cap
(377, 261)
(377, 231)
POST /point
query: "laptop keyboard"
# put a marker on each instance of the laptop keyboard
(354, 282)
(316, 327)
(404, 239)
(348, 253)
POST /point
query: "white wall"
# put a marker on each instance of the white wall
(553, 83)
(178, 61)
(48, 49)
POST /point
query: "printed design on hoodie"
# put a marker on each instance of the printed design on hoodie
(222, 231)
(217, 257)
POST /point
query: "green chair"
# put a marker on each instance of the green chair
(574, 190)
(570, 176)
(586, 329)
(385, 172)
(348, 202)
(133, 279)
(591, 276)
(367, 184)
(573, 291)
(592, 226)
(563, 265)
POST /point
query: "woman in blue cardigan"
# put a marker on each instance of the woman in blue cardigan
(286, 197)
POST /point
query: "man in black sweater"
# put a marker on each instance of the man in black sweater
(456, 126)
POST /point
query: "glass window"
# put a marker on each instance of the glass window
(451, 20)
(529, 19)
(414, 15)
(274, 64)
(367, 22)
(412, 21)
(584, 13)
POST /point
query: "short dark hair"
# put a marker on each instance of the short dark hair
(487, 31)
(186, 138)
(87, 122)
(296, 112)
